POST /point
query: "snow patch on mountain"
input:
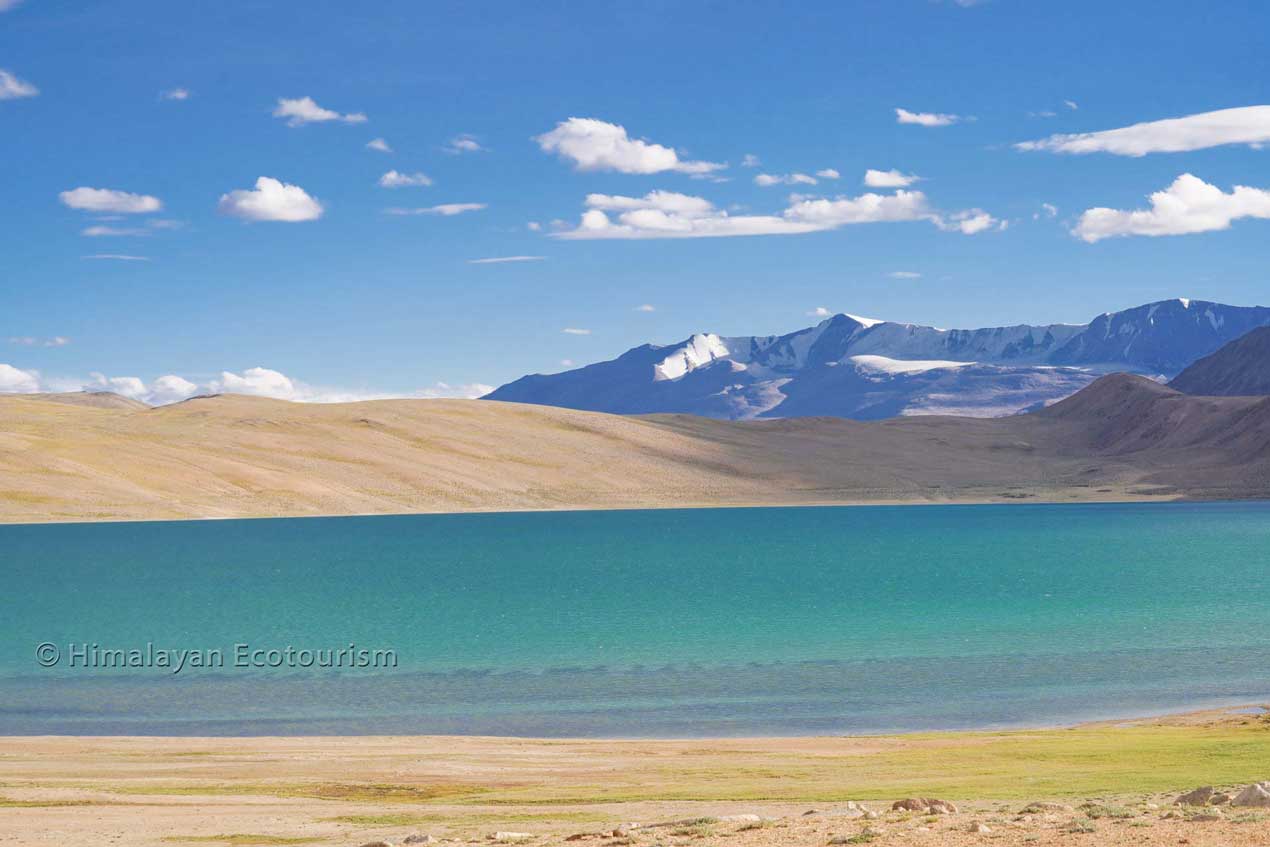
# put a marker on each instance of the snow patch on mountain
(699, 350)
(881, 364)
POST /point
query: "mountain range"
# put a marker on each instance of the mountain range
(864, 369)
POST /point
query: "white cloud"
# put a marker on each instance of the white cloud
(127, 386)
(568, 363)
(750, 161)
(101, 230)
(445, 209)
(1244, 125)
(12, 88)
(445, 391)
(1187, 206)
(889, 179)
(463, 144)
(820, 312)
(970, 222)
(1048, 210)
(595, 145)
(170, 389)
(904, 116)
(379, 145)
(118, 257)
(109, 200)
(904, 275)
(6, 5)
(572, 330)
(646, 307)
(499, 260)
(766, 180)
(396, 179)
(32, 341)
(16, 381)
(271, 200)
(828, 173)
(303, 110)
(175, 94)
(261, 382)
(666, 214)
(1071, 104)
(533, 226)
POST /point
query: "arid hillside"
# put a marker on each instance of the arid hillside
(90, 457)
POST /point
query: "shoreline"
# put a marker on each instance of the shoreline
(1117, 779)
(1118, 499)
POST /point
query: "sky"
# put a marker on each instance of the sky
(350, 200)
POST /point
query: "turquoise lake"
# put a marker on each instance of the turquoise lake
(644, 623)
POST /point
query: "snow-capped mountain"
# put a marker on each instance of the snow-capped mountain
(866, 369)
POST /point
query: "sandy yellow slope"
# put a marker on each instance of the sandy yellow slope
(236, 456)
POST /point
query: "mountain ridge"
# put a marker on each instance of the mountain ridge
(868, 369)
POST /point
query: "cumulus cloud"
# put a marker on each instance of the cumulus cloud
(17, 381)
(1048, 210)
(1187, 206)
(271, 200)
(379, 145)
(1243, 125)
(828, 173)
(904, 116)
(573, 330)
(396, 179)
(749, 160)
(444, 209)
(666, 214)
(463, 144)
(595, 145)
(109, 201)
(767, 180)
(500, 260)
(889, 179)
(303, 110)
(175, 94)
(820, 312)
(12, 88)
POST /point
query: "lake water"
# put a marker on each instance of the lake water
(638, 623)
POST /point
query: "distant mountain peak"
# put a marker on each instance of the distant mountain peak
(850, 366)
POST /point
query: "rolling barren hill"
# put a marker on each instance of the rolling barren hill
(1240, 369)
(1124, 437)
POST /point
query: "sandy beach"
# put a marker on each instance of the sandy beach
(1109, 783)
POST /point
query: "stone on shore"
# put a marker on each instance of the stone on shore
(926, 805)
(1254, 795)
(1198, 797)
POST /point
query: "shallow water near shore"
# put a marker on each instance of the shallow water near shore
(771, 621)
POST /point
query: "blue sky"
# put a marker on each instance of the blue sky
(343, 298)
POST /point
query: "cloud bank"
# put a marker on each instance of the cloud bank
(303, 110)
(667, 214)
(1244, 125)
